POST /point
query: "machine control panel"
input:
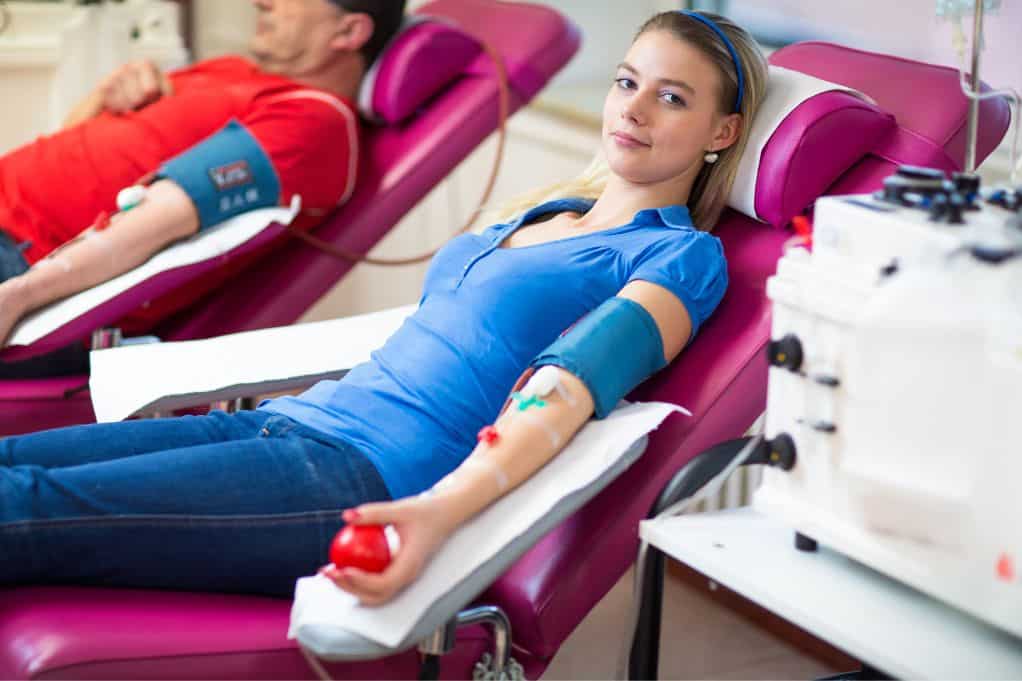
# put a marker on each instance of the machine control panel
(919, 214)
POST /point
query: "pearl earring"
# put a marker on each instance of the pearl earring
(711, 157)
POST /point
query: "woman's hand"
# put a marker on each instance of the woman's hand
(422, 523)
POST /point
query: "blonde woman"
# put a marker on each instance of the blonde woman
(420, 436)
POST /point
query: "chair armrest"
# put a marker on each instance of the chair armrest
(76, 316)
(162, 376)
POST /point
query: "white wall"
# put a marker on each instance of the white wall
(908, 28)
(52, 55)
(221, 26)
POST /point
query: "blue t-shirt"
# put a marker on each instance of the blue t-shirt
(415, 407)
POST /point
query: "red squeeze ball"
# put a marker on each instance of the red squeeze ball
(361, 546)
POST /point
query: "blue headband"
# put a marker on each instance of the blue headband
(730, 48)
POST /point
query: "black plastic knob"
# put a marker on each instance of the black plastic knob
(785, 353)
(1014, 200)
(781, 452)
(805, 543)
(938, 208)
(956, 206)
(994, 255)
(911, 186)
(920, 173)
(1009, 199)
(890, 269)
(966, 184)
(948, 208)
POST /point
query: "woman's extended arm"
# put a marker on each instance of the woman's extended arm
(527, 441)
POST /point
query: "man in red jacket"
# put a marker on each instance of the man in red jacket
(290, 111)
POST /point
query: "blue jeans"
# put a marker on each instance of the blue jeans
(243, 502)
(12, 262)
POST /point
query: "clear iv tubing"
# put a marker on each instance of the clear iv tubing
(1015, 100)
(1009, 93)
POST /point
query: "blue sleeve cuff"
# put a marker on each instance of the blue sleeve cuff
(225, 175)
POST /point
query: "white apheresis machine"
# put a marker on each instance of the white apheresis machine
(895, 386)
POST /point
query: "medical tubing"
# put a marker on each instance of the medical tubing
(972, 93)
(314, 664)
(503, 113)
(691, 485)
(1014, 100)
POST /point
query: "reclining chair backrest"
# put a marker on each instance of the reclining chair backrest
(721, 377)
(435, 107)
(391, 179)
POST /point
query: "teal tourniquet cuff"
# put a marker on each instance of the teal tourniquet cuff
(611, 350)
(225, 175)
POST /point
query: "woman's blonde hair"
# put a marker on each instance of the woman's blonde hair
(713, 183)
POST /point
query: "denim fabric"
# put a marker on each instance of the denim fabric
(243, 502)
(12, 262)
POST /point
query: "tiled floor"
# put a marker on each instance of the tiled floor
(699, 640)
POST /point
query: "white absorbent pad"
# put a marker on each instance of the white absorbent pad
(332, 624)
(206, 245)
(163, 376)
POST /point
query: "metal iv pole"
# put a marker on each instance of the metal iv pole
(972, 130)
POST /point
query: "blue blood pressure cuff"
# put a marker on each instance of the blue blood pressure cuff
(226, 174)
(613, 349)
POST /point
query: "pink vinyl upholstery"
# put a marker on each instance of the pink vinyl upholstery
(808, 152)
(423, 59)
(399, 165)
(721, 378)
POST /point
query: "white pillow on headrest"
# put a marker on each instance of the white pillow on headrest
(787, 90)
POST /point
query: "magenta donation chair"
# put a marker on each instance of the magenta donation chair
(831, 143)
(400, 161)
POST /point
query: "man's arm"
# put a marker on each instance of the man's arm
(90, 107)
(166, 215)
(527, 441)
(131, 86)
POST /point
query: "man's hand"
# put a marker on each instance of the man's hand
(11, 308)
(133, 86)
(422, 523)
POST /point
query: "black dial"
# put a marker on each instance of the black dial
(786, 352)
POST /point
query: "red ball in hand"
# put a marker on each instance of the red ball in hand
(361, 546)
